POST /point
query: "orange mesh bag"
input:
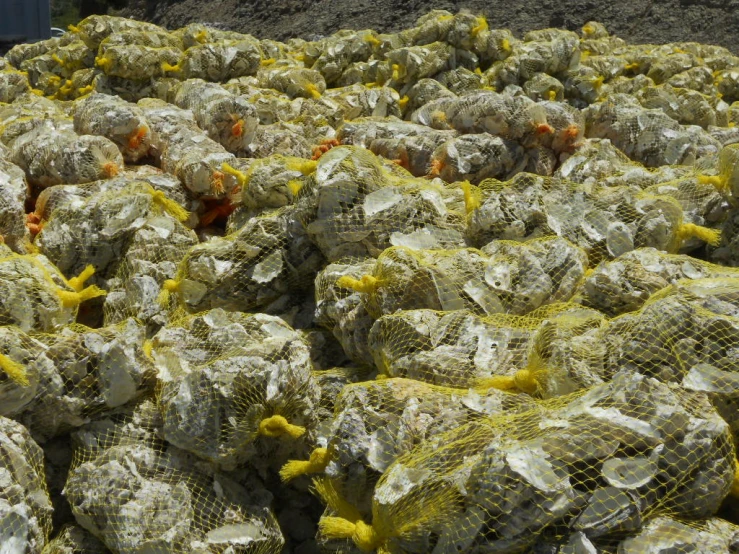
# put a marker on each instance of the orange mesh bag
(120, 121)
(268, 403)
(517, 118)
(186, 151)
(476, 157)
(165, 501)
(228, 119)
(54, 156)
(603, 463)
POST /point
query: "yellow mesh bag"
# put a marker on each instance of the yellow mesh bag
(650, 137)
(376, 422)
(366, 130)
(28, 112)
(602, 463)
(336, 53)
(360, 205)
(342, 310)
(118, 120)
(626, 283)
(599, 162)
(228, 119)
(94, 29)
(25, 508)
(727, 179)
(551, 51)
(130, 90)
(79, 84)
(194, 34)
(417, 62)
(544, 87)
(684, 332)
(518, 118)
(687, 107)
(21, 363)
(712, 535)
(460, 80)
(166, 501)
(99, 230)
(83, 374)
(13, 192)
(271, 106)
(294, 81)
(134, 61)
(271, 182)
(36, 296)
(361, 101)
(144, 37)
(331, 382)
(698, 78)
(508, 277)
(73, 57)
(219, 61)
(234, 387)
(13, 83)
(605, 222)
(258, 267)
(185, 151)
(284, 139)
(22, 52)
(509, 352)
(74, 540)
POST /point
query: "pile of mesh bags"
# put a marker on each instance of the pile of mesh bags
(445, 290)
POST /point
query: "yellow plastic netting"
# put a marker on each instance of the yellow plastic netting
(25, 508)
(165, 500)
(233, 386)
(600, 463)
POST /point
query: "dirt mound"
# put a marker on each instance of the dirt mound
(708, 21)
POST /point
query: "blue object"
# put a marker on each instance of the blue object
(24, 20)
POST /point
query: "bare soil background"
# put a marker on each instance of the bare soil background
(643, 21)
